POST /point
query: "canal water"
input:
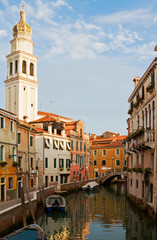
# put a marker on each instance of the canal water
(104, 214)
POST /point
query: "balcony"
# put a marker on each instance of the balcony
(139, 142)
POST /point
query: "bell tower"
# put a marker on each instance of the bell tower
(21, 83)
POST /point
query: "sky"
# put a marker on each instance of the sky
(89, 52)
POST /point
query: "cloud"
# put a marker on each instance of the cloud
(135, 16)
(61, 3)
(3, 33)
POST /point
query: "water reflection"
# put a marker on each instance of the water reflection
(105, 214)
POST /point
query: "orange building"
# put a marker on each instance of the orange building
(8, 155)
(106, 153)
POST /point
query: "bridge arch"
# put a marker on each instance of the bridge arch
(110, 176)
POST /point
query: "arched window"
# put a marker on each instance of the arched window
(11, 68)
(149, 109)
(16, 66)
(138, 122)
(145, 117)
(24, 66)
(2, 153)
(153, 109)
(14, 154)
(142, 118)
(31, 70)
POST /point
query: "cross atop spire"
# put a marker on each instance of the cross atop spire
(22, 5)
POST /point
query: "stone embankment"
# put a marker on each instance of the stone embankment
(11, 212)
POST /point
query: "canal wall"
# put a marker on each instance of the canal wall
(11, 216)
(144, 206)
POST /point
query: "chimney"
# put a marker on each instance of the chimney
(136, 81)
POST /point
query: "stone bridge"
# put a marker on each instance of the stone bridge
(111, 175)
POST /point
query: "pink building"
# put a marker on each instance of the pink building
(79, 168)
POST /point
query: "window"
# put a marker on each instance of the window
(76, 145)
(11, 68)
(51, 178)
(16, 66)
(95, 152)
(117, 162)
(152, 80)
(2, 122)
(31, 70)
(14, 154)
(31, 182)
(24, 66)
(19, 138)
(71, 158)
(12, 126)
(84, 147)
(67, 163)
(80, 146)
(103, 162)
(95, 162)
(31, 162)
(72, 144)
(19, 161)
(56, 178)
(2, 153)
(137, 161)
(142, 92)
(31, 141)
(74, 173)
(55, 162)
(152, 161)
(77, 173)
(103, 152)
(10, 182)
(136, 183)
(61, 163)
(81, 133)
(46, 162)
(117, 151)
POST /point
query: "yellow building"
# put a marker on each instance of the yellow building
(106, 154)
(8, 155)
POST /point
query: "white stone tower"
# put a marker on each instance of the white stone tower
(21, 84)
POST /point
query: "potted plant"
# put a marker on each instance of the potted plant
(15, 163)
(3, 163)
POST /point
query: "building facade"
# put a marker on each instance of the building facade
(141, 144)
(26, 156)
(79, 169)
(8, 155)
(106, 154)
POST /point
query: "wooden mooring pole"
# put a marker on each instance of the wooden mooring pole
(24, 212)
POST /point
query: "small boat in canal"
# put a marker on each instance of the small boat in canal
(30, 232)
(90, 186)
(55, 202)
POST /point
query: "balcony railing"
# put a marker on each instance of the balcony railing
(145, 139)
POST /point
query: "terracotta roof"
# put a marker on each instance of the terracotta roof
(44, 119)
(26, 124)
(53, 115)
(8, 114)
(112, 144)
(40, 130)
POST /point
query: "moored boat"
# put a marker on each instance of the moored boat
(30, 232)
(90, 186)
(55, 202)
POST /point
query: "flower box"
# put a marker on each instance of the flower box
(3, 163)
